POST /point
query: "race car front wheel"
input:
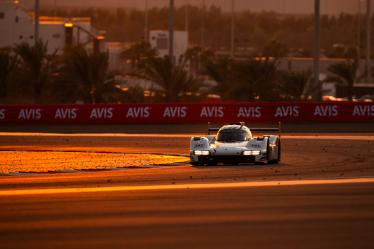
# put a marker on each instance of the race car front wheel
(198, 163)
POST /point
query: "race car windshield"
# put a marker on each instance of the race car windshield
(231, 136)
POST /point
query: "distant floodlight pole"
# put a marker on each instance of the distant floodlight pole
(186, 17)
(146, 28)
(317, 83)
(203, 24)
(232, 41)
(171, 31)
(368, 41)
(55, 9)
(358, 38)
(37, 14)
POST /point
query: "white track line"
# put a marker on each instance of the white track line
(35, 134)
(23, 192)
(113, 135)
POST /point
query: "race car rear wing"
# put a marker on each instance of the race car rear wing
(264, 129)
(273, 129)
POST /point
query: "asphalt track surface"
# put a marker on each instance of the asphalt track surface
(284, 206)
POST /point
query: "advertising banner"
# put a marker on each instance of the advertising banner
(187, 113)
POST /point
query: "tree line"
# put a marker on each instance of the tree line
(28, 74)
(210, 27)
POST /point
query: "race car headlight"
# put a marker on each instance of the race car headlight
(251, 152)
(201, 152)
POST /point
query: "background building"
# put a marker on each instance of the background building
(159, 40)
(17, 26)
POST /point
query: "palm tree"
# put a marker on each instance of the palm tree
(8, 63)
(35, 65)
(90, 72)
(274, 49)
(251, 79)
(138, 52)
(257, 79)
(344, 73)
(220, 71)
(197, 57)
(293, 83)
(173, 80)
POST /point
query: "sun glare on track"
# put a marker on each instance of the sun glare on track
(21, 161)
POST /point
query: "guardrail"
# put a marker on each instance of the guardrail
(187, 113)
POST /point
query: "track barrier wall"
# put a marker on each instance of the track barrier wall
(187, 113)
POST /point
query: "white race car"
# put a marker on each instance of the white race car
(234, 144)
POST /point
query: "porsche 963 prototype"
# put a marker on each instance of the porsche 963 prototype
(234, 144)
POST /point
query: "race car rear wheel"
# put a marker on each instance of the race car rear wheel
(276, 161)
(279, 151)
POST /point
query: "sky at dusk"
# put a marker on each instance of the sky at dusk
(283, 6)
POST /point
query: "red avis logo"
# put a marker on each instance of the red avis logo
(138, 112)
(175, 112)
(66, 113)
(249, 112)
(363, 110)
(30, 114)
(287, 111)
(326, 111)
(212, 112)
(101, 113)
(2, 114)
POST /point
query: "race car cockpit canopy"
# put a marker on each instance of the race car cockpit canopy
(234, 133)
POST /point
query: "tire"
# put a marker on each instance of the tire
(276, 161)
(279, 152)
(267, 154)
(197, 164)
(261, 163)
(212, 163)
